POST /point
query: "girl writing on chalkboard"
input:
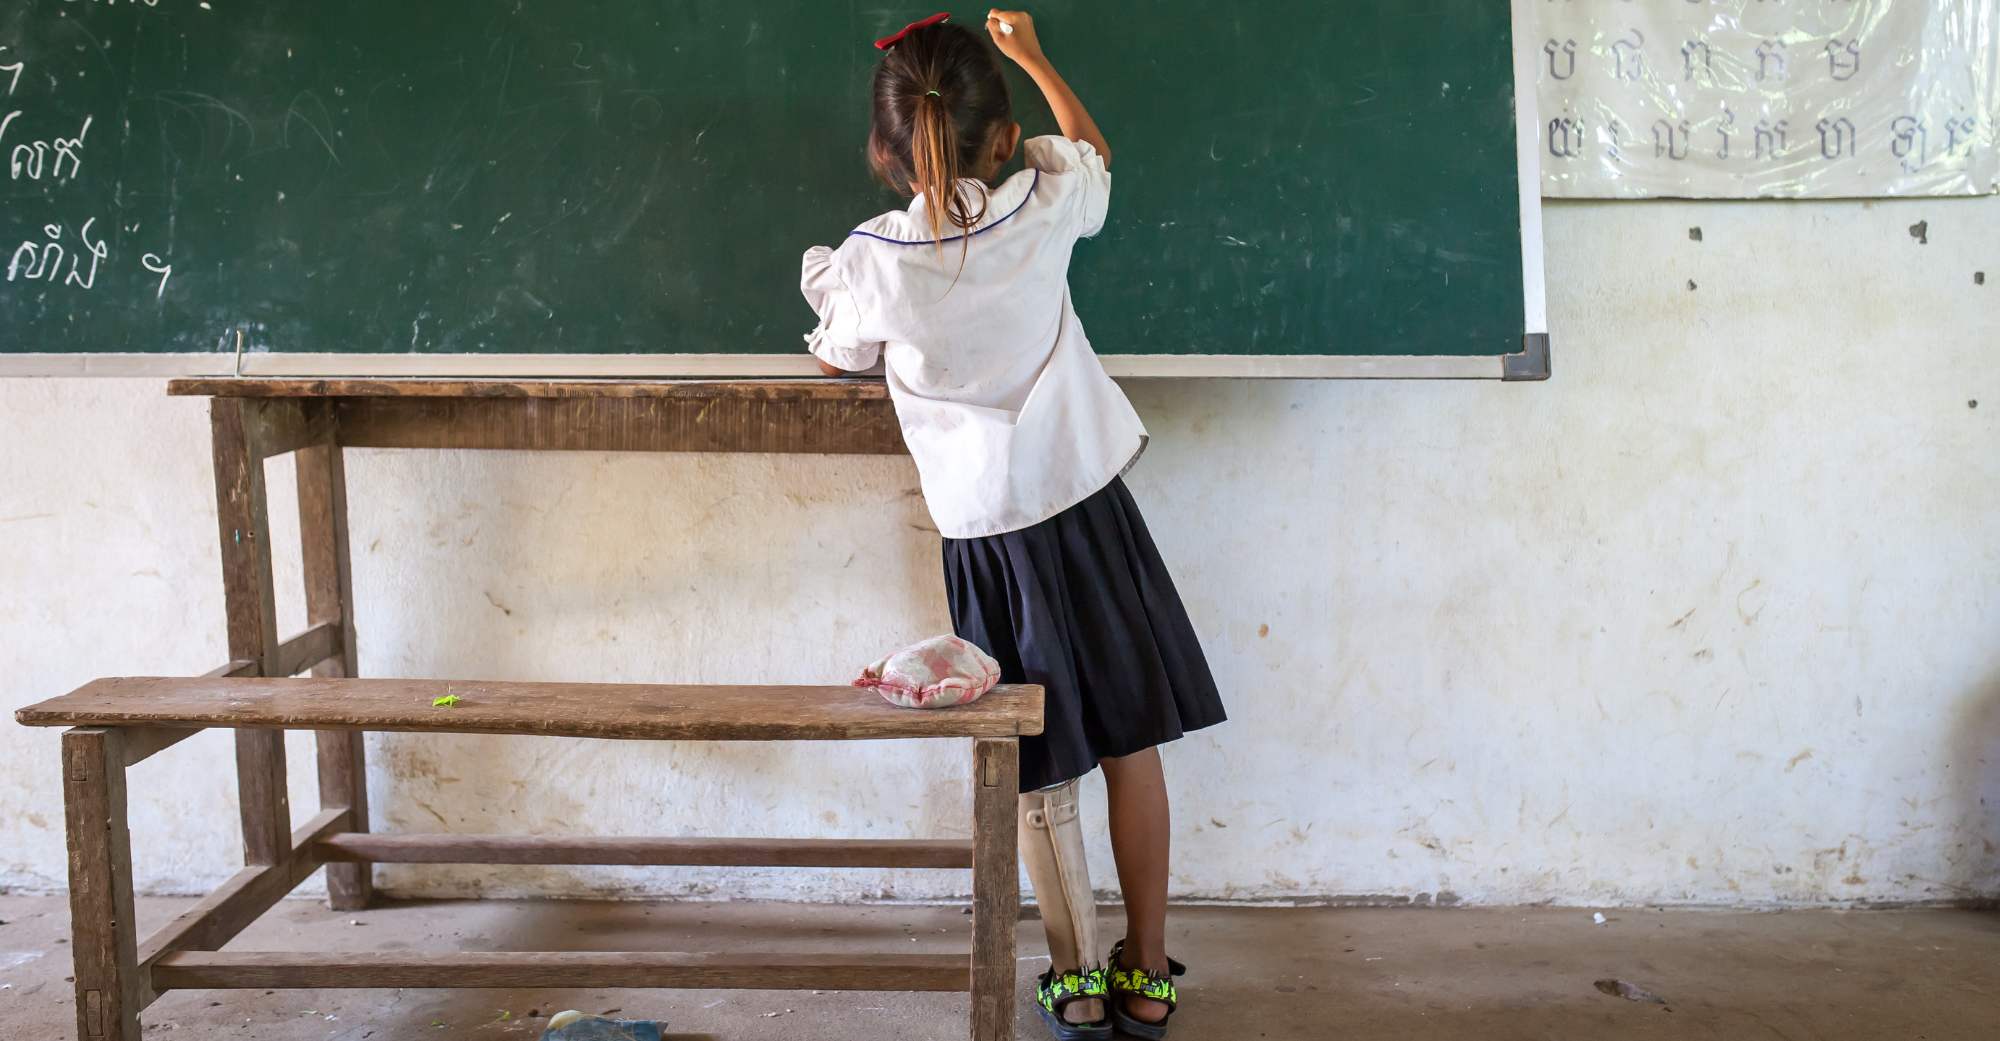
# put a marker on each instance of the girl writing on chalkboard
(1020, 440)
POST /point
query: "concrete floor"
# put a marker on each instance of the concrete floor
(1258, 973)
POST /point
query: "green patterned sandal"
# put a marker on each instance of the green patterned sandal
(1139, 983)
(1054, 993)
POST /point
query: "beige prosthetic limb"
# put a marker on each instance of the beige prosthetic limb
(1052, 848)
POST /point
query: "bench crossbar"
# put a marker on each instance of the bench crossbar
(220, 915)
(623, 851)
(609, 970)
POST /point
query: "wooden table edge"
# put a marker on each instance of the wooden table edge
(775, 388)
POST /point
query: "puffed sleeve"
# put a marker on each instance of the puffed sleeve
(838, 340)
(1077, 175)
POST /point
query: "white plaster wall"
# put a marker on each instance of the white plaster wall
(1713, 617)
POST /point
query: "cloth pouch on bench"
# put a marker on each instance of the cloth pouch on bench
(938, 673)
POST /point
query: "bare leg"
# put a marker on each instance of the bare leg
(1140, 839)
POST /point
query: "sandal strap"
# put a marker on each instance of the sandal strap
(1174, 968)
(1140, 983)
(1055, 992)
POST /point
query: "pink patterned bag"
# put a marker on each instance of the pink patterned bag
(938, 673)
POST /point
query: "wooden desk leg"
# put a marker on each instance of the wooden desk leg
(109, 993)
(996, 886)
(242, 440)
(343, 774)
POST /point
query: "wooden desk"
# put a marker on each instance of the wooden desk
(255, 419)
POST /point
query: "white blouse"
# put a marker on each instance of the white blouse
(1004, 405)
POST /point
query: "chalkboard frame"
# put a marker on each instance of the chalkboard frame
(1530, 363)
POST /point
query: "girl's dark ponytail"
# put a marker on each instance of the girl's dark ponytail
(938, 165)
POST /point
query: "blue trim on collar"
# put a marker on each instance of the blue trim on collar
(1032, 184)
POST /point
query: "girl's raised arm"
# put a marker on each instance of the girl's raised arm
(1014, 33)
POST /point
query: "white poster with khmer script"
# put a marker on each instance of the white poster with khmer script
(1767, 98)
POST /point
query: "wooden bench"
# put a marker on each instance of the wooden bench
(118, 722)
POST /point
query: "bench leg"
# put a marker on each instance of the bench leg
(343, 782)
(261, 796)
(996, 886)
(109, 993)
(343, 774)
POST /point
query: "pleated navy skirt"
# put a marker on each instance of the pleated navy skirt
(1082, 605)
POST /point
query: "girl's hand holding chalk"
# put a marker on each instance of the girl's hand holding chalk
(1014, 33)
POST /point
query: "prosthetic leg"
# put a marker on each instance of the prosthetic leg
(1051, 842)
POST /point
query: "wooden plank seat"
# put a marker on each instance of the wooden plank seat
(116, 722)
(636, 711)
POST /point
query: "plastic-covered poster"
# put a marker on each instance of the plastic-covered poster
(1768, 98)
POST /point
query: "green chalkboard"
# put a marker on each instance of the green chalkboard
(640, 177)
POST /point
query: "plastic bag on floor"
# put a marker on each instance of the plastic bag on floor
(575, 1026)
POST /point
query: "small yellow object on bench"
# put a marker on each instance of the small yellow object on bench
(448, 701)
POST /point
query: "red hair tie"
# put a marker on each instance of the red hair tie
(887, 42)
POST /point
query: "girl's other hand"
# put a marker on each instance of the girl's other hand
(1021, 45)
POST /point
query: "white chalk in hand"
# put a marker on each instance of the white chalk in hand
(1006, 28)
